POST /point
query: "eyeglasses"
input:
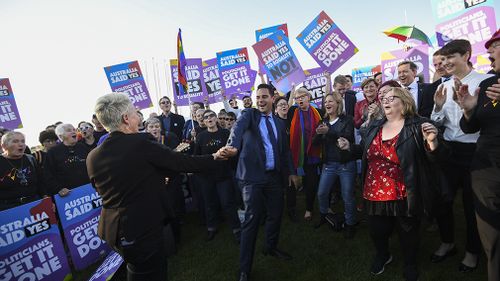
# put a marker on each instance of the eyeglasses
(388, 99)
(205, 117)
(84, 128)
(282, 104)
(300, 97)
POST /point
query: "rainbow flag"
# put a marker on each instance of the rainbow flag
(181, 62)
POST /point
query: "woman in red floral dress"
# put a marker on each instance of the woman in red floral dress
(393, 188)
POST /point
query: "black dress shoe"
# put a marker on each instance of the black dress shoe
(243, 277)
(465, 268)
(437, 258)
(210, 236)
(277, 254)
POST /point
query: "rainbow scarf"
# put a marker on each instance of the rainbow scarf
(298, 135)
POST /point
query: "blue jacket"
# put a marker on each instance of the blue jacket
(245, 136)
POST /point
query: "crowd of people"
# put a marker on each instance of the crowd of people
(420, 143)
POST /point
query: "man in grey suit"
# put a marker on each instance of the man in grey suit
(264, 166)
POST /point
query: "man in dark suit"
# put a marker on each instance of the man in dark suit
(341, 85)
(424, 99)
(128, 171)
(170, 122)
(263, 168)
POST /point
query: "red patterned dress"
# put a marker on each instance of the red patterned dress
(384, 187)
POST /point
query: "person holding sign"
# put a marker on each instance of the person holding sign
(128, 171)
(21, 177)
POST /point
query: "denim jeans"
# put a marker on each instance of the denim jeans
(347, 174)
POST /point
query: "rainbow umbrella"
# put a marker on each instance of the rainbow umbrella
(404, 32)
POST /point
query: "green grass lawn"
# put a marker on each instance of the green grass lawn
(318, 255)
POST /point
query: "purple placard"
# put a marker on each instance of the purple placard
(281, 64)
(326, 43)
(234, 71)
(212, 80)
(127, 78)
(476, 25)
(241, 95)
(266, 32)
(79, 213)
(315, 82)
(419, 55)
(9, 115)
(196, 86)
(108, 267)
(31, 247)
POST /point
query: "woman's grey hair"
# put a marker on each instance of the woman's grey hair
(152, 120)
(9, 136)
(110, 108)
(60, 130)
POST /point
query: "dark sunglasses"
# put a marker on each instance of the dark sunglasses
(205, 117)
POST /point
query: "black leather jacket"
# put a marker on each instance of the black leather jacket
(420, 167)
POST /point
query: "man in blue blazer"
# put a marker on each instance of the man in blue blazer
(264, 167)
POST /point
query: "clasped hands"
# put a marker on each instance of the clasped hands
(225, 152)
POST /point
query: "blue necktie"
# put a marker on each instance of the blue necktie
(274, 143)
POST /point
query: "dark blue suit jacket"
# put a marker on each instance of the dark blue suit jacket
(245, 136)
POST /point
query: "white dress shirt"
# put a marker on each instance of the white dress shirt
(413, 88)
(450, 114)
